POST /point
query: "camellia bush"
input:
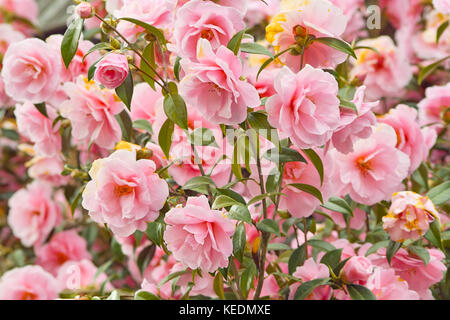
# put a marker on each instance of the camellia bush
(222, 149)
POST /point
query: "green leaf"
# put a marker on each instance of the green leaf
(144, 295)
(126, 125)
(421, 176)
(278, 247)
(69, 44)
(332, 258)
(165, 136)
(172, 276)
(175, 109)
(269, 225)
(177, 68)
(235, 43)
(348, 104)
(435, 229)
(425, 72)
(284, 155)
(247, 279)
(239, 240)
(392, 249)
(358, 292)
(240, 213)
(143, 124)
(308, 189)
(255, 48)
(114, 295)
(42, 108)
(441, 29)
(337, 44)
(197, 183)
(420, 252)
(339, 205)
(232, 194)
(223, 201)
(155, 232)
(218, 286)
(261, 197)
(321, 245)
(316, 161)
(145, 257)
(306, 288)
(76, 199)
(125, 90)
(270, 60)
(148, 73)
(159, 34)
(203, 137)
(440, 194)
(297, 258)
(258, 121)
(376, 246)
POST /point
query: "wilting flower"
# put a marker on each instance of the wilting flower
(124, 193)
(198, 236)
(409, 216)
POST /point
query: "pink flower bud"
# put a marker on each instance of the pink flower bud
(85, 10)
(112, 70)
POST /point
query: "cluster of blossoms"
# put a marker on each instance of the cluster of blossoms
(175, 148)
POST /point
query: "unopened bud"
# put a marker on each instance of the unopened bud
(144, 153)
(85, 10)
(115, 43)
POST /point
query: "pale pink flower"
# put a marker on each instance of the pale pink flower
(5, 100)
(124, 193)
(375, 170)
(410, 139)
(386, 285)
(39, 129)
(207, 20)
(47, 169)
(199, 237)
(91, 111)
(409, 216)
(357, 270)
(312, 270)
(62, 247)
(355, 19)
(306, 107)
(402, 12)
(112, 70)
(442, 6)
(79, 275)
(8, 35)
(388, 65)
(213, 86)
(433, 108)
(33, 214)
(78, 66)
(28, 283)
(26, 9)
(154, 12)
(204, 284)
(356, 222)
(258, 11)
(354, 126)
(31, 71)
(319, 18)
(305, 173)
(144, 103)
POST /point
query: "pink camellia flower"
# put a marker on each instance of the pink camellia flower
(199, 237)
(28, 283)
(80, 63)
(410, 139)
(154, 12)
(27, 9)
(357, 270)
(39, 128)
(33, 214)
(306, 107)
(144, 103)
(388, 65)
(374, 170)
(5, 100)
(356, 222)
(205, 20)
(112, 70)
(354, 126)
(47, 169)
(62, 247)
(213, 86)
(124, 193)
(91, 111)
(204, 284)
(8, 35)
(386, 285)
(356, 22)
(305, 173)
(442, 6)
(78, 275)
(299, 19)
(409, 216)
(31, 71)
(434, 108)
(312, 270)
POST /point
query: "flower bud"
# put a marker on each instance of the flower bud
(85, 10)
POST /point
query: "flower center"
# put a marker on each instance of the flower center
(29, 296)
(363, 165)
(61, 257)
(123, 190)
(207, 34)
